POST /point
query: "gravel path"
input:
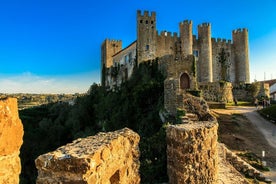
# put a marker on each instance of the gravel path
(267, 128)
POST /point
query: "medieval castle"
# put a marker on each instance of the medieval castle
(117, 63)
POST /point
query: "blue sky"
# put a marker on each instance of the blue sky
(53, 46)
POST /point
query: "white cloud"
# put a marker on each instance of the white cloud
(31, 83)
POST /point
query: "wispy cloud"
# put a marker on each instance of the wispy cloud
(28, 82)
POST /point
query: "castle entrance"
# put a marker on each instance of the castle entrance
(184, 81)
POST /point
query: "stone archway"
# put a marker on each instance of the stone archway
(184, 81)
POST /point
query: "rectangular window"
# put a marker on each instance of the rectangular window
(126, 59)
(195, 53)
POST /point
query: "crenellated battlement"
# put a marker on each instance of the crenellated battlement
(113, 41)
(221, 41)
(240, 30)
(205, 24)
(168, 34)
(146, 14)
(152, 43)
(186, 22)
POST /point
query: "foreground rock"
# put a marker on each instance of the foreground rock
(11, 134)
(192, 153)
(111, 157)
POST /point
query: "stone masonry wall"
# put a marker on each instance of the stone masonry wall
(105, 158)
(192, 153)
(217, 91)
(11, 134)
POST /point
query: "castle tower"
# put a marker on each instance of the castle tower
(146, 36)
(108, 49)
(205, 53)
(186, 37)
(241, 57)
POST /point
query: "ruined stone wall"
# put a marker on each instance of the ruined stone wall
(192, 153)
(217, 91)
(105, 158)
(11, 134)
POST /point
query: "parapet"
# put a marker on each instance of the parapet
(221, 41)
(204, 24)
(111, 157)
(111, 41)
(186, 22)
(239, 30)
(146, 13)
(168, 34)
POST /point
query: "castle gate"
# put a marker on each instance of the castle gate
(184, 81)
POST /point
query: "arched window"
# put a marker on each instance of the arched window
(184, 81)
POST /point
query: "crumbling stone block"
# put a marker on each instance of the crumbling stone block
(111, 157)
(11, 134)
(192, 153)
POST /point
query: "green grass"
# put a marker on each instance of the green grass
(240, 103)
(269, 112)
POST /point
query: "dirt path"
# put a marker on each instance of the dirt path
(255, 134)
(267, 128)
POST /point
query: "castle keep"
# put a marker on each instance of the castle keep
(118, 63)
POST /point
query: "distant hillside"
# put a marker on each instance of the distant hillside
(26, 100)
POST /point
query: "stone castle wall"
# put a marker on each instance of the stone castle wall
(11, 139)
(217, 91)
(105, 158)
(174, 69)
(152, 45)
(192, 153)
(248, 92)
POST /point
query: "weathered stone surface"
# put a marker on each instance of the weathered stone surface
(217, 91)
(111, 157)
(11, 134)
(197, 106)
(192, 153)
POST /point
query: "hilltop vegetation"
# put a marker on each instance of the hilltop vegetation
(30, 100)
(135, 104)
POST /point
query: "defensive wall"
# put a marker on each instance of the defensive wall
(152, 44)
(217, 91)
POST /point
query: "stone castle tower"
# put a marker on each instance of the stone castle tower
(240, 49)
(108, 49)
(151, 44)
(146, 36)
